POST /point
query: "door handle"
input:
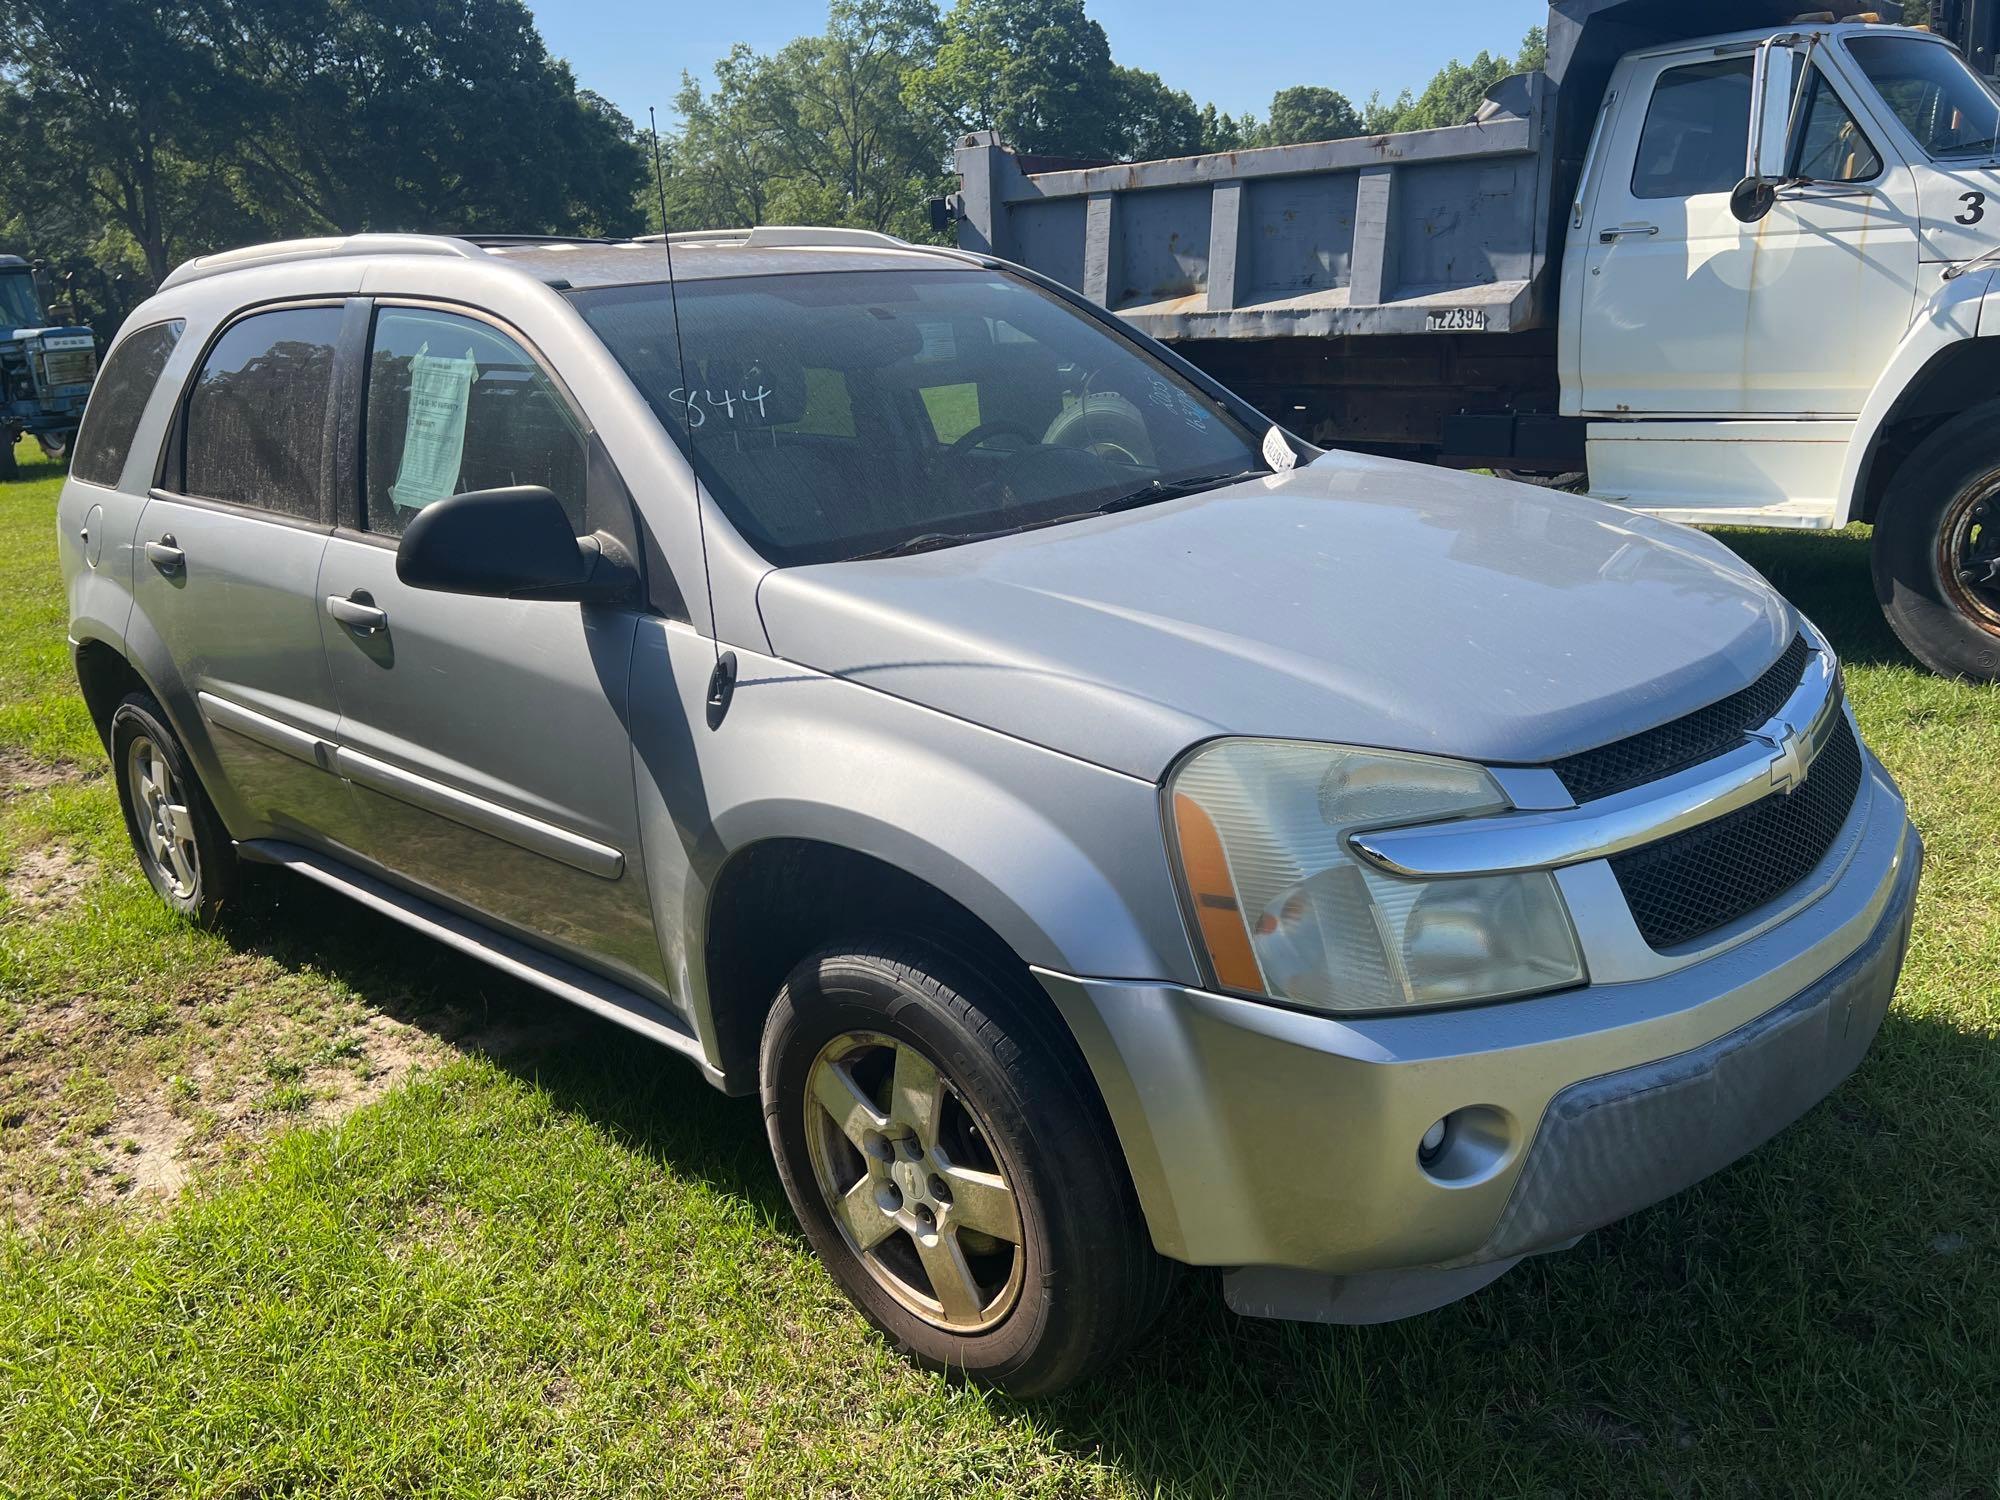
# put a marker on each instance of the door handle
(1613, 236)
(166, 556)
(358, 612)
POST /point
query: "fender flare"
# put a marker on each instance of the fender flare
(1965, 308)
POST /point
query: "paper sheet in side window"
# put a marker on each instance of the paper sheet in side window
(434, 440)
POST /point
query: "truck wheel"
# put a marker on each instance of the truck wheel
(182, 846)
(55, 447)
(10, 467)
(945, 1153)
(1937, 548)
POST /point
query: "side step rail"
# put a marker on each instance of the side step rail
(567, 981)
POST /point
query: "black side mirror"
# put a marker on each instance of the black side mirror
(513, 543)
(1753, 199)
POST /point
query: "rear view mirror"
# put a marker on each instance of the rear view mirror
(513, 543)
(1777, 88)
(1753, 200)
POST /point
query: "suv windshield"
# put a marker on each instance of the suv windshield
(1942, 102)
(18, 308)
(835, 414)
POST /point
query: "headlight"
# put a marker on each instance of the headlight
(1284, 909)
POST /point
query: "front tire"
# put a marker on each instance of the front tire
(182, 846)
(1936, 557)
(945, 1153)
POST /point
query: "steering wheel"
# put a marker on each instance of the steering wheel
(985, 431)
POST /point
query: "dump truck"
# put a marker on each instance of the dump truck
(1718, 261)
(45, 372)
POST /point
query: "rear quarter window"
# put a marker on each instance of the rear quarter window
(118, 401)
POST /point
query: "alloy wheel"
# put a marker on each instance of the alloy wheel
(161, 814)
(906, 1167)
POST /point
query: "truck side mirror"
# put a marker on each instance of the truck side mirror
(1752, 199)
(1777, 88)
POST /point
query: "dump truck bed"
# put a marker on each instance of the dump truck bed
(1380, 234)
(1456, 230)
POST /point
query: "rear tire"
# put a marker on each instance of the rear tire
(1936, 557)
(10, 467)
(182, 846)
(1014, 1193)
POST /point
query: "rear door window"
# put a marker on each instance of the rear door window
(258, 416)
(456, 405)
(118, 401)
(1697, 135)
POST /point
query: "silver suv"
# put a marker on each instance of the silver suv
(1107, 832)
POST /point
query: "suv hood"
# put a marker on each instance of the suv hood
(1356, 600)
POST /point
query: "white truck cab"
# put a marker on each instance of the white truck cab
(1736, 277)
(1777, 257)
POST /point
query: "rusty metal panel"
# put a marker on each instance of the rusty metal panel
(1383, 235)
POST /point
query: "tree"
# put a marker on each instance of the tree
(1221, 132)
(1037, 71)
(818, 133)
(1153, 120)
(1455, 94)
(424, 114)
(99, 109)
(1308, 113)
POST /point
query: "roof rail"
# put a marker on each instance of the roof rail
(512, 241)
(781, 236)
(281, 251)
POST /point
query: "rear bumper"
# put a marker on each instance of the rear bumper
(1265, 1137)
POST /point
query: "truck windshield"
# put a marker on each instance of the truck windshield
(837, 414)
(18, 308)
(1950, 109)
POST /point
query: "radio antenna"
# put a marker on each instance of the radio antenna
(723, 683)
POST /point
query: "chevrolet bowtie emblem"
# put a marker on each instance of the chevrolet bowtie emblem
(1788, 766)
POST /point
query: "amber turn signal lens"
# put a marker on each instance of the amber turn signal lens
(1216, 909)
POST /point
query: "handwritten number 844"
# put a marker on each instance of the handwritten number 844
(699, 406)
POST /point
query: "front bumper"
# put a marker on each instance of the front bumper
(1265, 1137)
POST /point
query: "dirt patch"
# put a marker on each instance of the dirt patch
(41, 880)
(24, 773)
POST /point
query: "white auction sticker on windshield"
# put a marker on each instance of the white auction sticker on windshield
(1278, 453)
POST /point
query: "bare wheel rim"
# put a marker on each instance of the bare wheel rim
(1969, 553)
(906, 1168)
(160, 812)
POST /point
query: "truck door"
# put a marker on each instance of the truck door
(1686, 310)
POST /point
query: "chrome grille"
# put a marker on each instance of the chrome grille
(68, 367)
(1687, 741)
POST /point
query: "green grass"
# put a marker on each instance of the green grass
(547, 1262)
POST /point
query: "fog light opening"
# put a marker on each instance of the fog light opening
(1468, 1146)
(1431, 1147)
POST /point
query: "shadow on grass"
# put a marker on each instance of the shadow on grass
(34, 465)
(652, 1100)
(1751, 1325)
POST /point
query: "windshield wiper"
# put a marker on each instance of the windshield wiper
(930, 541)
(1170, 489)
(1157, 490)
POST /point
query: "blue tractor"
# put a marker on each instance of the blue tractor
(45, 373)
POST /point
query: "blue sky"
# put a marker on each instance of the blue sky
(633, 51)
